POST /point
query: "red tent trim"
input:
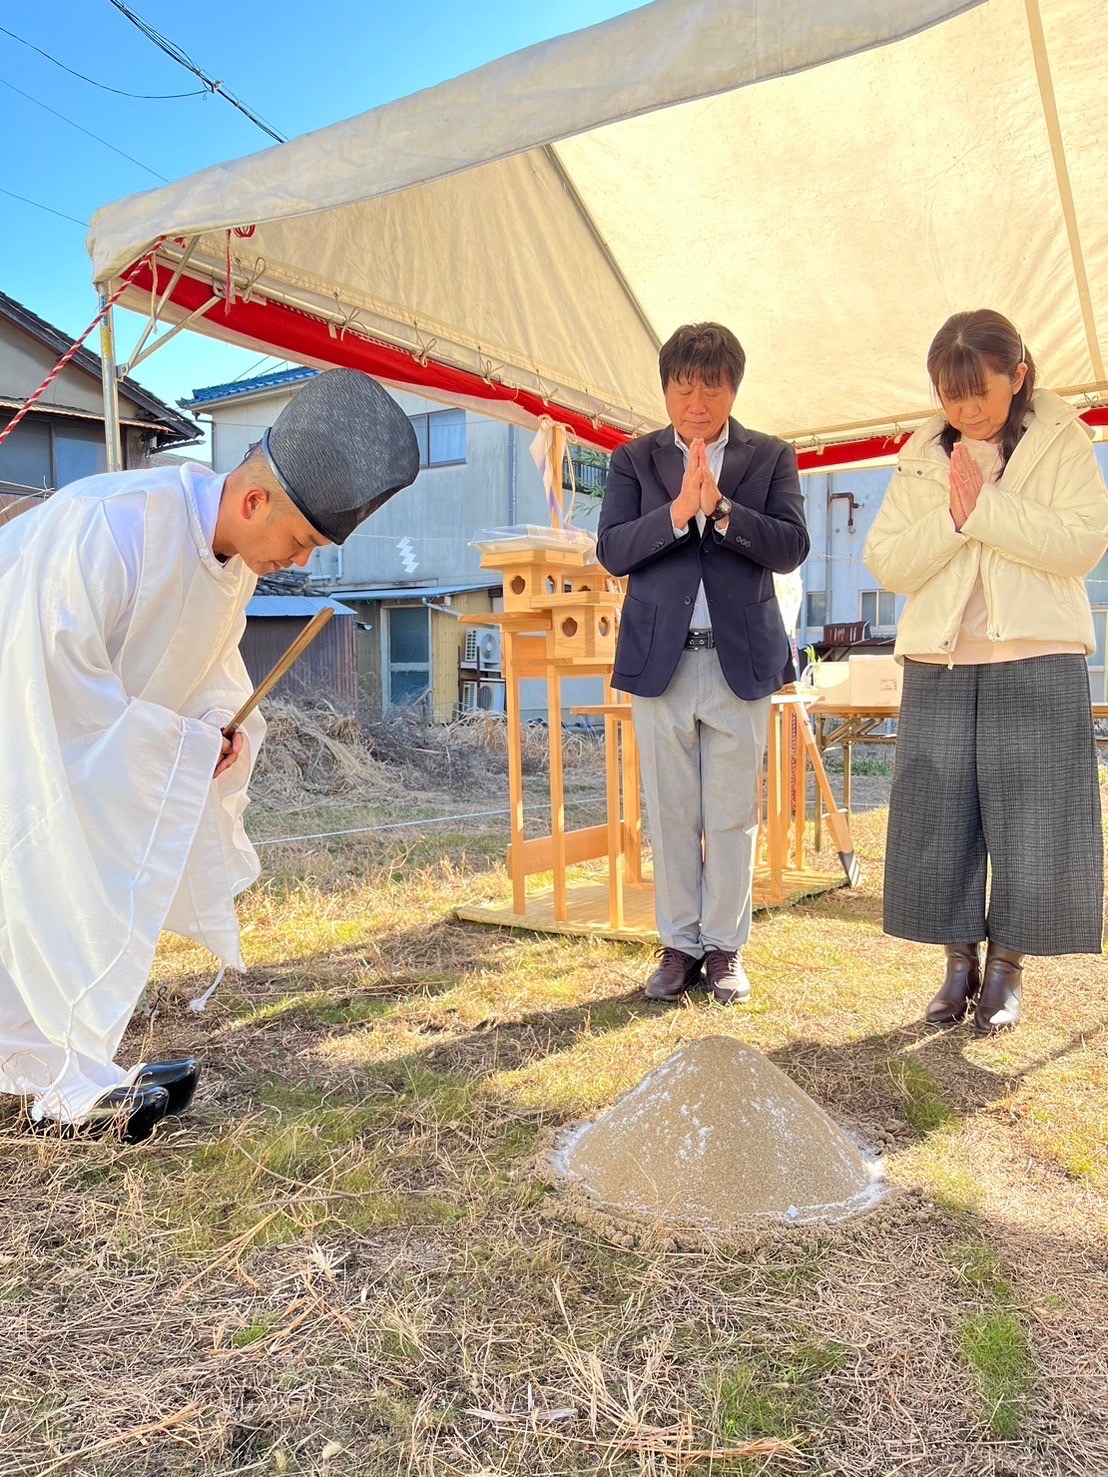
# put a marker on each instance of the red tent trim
(303, 336)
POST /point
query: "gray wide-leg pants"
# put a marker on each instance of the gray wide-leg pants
(701, 751)
(994, 819)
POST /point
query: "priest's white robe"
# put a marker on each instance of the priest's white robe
(119, 663)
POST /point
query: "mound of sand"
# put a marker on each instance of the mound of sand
(716, 1138)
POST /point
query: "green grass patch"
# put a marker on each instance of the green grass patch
(980, 1268)
(308, 1165)
(922, 1102)
(878, 768)
(259, 1329)
(320, 1007)
(996, 1348)
(777, 1397)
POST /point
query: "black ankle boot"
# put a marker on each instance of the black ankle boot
(963, 980)
(998, 1007)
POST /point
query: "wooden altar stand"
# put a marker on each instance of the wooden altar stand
(560, 618)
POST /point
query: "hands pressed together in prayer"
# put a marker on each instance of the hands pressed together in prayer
(966, 483)
(699, 493)
(232, 748)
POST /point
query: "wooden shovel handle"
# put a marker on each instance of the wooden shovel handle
(270, 681)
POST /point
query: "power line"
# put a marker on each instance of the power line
(119, 91)
(82, 129)
(257, 363)
(49, 208)
(182, 57)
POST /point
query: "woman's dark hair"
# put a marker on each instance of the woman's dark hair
(966, 349)
(702, 350)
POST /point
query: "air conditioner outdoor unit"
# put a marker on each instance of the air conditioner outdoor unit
(469, 697)
(488, 651)
(491, 697)
(469, 651)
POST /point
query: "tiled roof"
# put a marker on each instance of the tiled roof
(209, 394)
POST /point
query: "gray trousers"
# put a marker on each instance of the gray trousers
(996, 771)
(701, 751)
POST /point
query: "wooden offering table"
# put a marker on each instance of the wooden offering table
(559, 620)
(838, 725)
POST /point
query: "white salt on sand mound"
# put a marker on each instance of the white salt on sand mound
(716, 1138)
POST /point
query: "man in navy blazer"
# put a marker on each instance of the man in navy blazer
(701, 516)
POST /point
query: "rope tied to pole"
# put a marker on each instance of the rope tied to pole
(69, 353)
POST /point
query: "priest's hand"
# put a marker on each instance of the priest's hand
(232, 748)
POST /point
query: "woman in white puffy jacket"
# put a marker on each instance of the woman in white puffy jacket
(996, 513)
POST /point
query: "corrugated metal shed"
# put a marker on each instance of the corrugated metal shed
(272, 606)
(328, 670)
(418, 592)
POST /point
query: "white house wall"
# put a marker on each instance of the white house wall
(834, 563)
(24, 364)
(424, 533)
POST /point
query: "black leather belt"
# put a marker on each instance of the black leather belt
(699, 641)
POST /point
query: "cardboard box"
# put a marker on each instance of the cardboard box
(875, 682)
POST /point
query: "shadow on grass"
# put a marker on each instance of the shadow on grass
(924, 1080)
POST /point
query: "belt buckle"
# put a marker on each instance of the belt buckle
(700, 640)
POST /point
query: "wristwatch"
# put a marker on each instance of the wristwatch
(721, 510)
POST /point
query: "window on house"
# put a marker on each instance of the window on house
(815, 610)
(1098, 675)
(878, 607)
(590, 471)
(442, 437)
(1096, 583)
(25, 457)
(79, 451)
(50, 452)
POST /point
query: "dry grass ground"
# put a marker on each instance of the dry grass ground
(342, 1263)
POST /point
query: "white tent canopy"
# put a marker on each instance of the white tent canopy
(529, 233)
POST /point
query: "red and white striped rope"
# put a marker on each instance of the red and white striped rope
(69, 353)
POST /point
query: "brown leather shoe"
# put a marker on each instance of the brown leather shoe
(726, 976)
(998, 1006)
(963, 980)
(677, 973)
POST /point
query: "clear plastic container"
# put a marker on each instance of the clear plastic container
(533, 536)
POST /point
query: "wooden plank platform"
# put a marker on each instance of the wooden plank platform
(588, 907)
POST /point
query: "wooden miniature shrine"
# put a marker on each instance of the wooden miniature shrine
(560, 619)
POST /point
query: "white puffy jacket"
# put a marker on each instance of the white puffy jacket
(1034, 535)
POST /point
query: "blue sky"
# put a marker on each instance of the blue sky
(298, 66)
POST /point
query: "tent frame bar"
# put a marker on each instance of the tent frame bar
(156, 306)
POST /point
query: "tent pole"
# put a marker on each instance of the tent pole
(110, 383)
(1062, 178)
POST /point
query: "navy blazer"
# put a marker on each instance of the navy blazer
(766, 533)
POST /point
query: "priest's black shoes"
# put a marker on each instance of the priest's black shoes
(963, 980)
(129, 1114)
(179, 1079)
